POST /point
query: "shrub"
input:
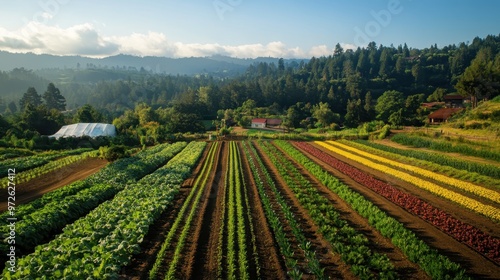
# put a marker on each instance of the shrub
(113, 153)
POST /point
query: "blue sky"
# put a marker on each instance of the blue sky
(239, 28)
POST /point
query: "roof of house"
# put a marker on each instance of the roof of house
(274, 121)
(444, 113)
(259, 120)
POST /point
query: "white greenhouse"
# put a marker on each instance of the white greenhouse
(85, 129)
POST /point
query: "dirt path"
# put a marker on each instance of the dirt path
(205, 264)
(476, 265)
(35, 188)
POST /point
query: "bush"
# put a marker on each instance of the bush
(113, 153)
(384, 132)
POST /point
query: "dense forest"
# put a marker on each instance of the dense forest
(349, 87)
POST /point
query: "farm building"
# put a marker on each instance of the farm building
(442, 115)
(85, 129)
(259, 123)
(263, 123)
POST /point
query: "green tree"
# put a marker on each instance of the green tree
(30, 97)
(390, 102)
(354, 113)
(437, 95)
(54, 99)
(481, 78)
(87, 114)
(324, 114)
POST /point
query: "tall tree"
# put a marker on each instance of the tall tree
(390, 102)
(54, 99)
(30, 97)
(481, 78)
(87, 114)
(324, 114)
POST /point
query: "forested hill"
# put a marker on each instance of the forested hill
(349, 82)
(153, 64)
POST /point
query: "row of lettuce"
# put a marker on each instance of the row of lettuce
(100, 234)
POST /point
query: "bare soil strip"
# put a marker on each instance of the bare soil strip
(475, 264)
(53, 180)
(205, 260)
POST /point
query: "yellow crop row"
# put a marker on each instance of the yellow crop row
(466, 186)
(467, 202)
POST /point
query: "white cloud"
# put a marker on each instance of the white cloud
(85, 40)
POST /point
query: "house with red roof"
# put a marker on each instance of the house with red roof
(442, 115)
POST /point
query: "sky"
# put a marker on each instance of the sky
(238, 28)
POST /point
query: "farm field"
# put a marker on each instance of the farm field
(267, 210)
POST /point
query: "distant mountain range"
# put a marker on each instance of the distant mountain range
(181, 66)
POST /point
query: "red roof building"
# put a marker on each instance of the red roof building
(259, 123)
(442, 115)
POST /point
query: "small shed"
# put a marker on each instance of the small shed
(442, 115)
(259, 123)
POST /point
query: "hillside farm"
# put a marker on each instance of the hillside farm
(255, 209)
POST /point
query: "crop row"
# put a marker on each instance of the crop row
(26, 163)
(287, 245)
(37, 224)
(433, 263)
(437, 158)
(462, 232)
(30, 174)
(99, 244)
(472, 204)
(350, 244)
(466, 186)
(440, 145)
(192, 201)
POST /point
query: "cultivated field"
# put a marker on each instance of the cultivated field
(264, 210)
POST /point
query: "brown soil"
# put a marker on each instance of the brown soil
(45, 183)
(475, 264)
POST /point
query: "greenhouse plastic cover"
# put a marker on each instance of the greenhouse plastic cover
(86, 129)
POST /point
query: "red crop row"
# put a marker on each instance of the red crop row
(462, 232)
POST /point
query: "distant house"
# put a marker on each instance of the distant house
(259, 123)
(454, 101)
(263, 123)
(442, 115)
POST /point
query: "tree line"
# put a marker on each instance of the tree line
(346, 88)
